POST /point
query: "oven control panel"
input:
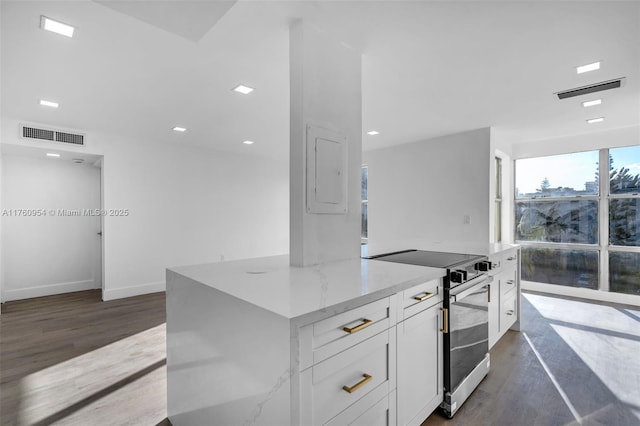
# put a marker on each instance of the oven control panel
(463, 273)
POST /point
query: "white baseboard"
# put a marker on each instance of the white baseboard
(46, 290)
(135, 290)
(583, 293)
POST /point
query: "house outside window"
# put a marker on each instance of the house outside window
(577, 216)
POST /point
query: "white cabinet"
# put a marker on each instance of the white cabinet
(504, 302)
(383, 372)
(494, 310)
(333, 385)
(348, 366)
(420, 382)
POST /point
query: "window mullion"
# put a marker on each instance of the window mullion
(603, 225)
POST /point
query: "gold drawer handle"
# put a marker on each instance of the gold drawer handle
(361, 383)
(510, 282)
(365, 323)
(510, 312)
(511, 258)
(445, 321)
(424, 296)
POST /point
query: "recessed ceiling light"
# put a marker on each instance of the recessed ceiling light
(592, 103)
(595, 120)
(248, 142)
(49, 103)
(56, 27)
(589, 67)
(245, 90)
(50, 154)
(179, 129)
(373, 132)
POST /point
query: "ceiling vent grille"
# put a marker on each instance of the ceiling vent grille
(33, 133)
(70, 138)
(52, 135)
(592, 88)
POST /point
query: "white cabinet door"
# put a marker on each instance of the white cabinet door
(494, 309)
(420, 387)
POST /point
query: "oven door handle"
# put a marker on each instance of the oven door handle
(469, 288)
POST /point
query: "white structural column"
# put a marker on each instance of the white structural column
(325, 147)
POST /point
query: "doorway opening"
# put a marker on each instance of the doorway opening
(52, 222)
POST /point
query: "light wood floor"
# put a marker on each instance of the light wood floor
(74, 360)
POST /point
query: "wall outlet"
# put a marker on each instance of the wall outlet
(467, 219)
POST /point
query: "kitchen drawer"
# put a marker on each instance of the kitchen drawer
(508, 282)
(366, 413)
(330, 336)
(364, 368)
(510, 259)
(496, 264)
(508, 311)
(419, 298)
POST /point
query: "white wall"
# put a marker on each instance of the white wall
(424, 189)
(187, 205)
(49, 254)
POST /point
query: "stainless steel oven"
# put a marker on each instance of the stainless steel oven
(466, 319)
(466, 340)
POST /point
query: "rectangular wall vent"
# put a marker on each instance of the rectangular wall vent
(33, 133)
(70, 138)
(52, 135)
(592, 88)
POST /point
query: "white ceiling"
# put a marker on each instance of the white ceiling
(429, 68)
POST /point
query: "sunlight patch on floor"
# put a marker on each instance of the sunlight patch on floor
(586, 314)
(76, 382)
(600, 351)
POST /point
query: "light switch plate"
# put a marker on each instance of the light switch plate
(326, 171)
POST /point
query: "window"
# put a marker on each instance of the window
(578, 217)
(624, 220)
(364, 234)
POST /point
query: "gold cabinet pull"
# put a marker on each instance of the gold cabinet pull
(445, 321)
(511, 258)
(509, 312)
(365, 323)
(361, 383)
(424, 296)
(510, 282)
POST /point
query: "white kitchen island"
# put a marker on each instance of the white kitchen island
(260, 342)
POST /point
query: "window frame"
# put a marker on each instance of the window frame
(364, 203)
(604, 198)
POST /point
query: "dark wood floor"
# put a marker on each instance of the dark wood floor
(574, 362)
(74, 360)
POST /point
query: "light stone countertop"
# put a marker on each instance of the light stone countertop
(308, 294)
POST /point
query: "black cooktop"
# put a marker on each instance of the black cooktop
(434, 259)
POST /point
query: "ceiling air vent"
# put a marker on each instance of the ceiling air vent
(70, 138)
(52, 135)
(33, 133)
(592, 88)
